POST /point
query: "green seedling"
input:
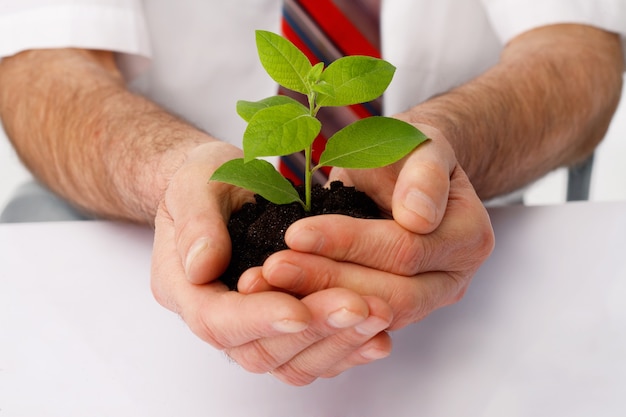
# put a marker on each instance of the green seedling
(280, 125)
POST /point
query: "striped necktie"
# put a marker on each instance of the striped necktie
(325, 30)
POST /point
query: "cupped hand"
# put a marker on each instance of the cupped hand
(298, 340)
(421, 260)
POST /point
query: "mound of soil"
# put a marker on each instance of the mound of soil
(258, 229)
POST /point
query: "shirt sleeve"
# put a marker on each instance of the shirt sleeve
(510, 18)
(115, 25)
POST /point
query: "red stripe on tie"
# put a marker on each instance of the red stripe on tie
(360, 110)
(339, 28)
(290, 34)
(336, 30)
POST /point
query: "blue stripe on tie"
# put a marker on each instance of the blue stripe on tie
(291, 164)
(305, 37)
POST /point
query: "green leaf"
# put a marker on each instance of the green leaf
(247, 109)
(322, 88)
(280, 130)
(315, 73)
(283, 61)
(260, 177)
(355, 79)
(371, 143)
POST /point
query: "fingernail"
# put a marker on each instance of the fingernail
(343, 318)
(200, 245)
(374, 354)
(285, 275)
(422, 205)
(249, 283)
(371, 326)
(289, 326)
(306, 240)
(285, 271)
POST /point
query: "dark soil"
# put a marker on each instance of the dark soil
(258, 229)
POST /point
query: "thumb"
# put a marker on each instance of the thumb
(420, 195)
(199, 213)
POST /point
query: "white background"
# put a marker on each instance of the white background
(81, 334)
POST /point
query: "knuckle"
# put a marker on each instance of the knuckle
(344, 244)
(407, 255)
(484, 237)
(319, 275)
(399, 251)
(486, 242)
(409, 306)
(475, 246)
(479, 248)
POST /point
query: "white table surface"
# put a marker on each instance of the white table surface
(541, 332)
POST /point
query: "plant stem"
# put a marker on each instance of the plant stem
(308, 157)
(308, 177)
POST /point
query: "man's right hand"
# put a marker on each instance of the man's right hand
(297, 340)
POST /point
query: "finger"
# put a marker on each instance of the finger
(378, 347)
(379, 244)
(331, 310)
(420, 194)
(463, 239)
(227, 319)
(252, 281)
(329, 353)
(414, 190)
(220, 317)
(200, 212)
(411, 298)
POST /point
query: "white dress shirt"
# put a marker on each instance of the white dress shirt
(198, 57)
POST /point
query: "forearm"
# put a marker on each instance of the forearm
(547, 103)
(80, 131)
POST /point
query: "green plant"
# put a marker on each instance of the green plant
(280, 125)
